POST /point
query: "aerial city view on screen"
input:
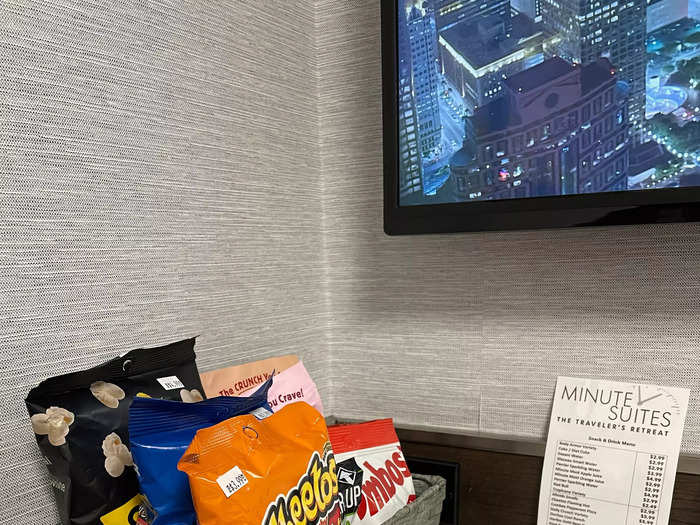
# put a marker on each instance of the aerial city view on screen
(502, 99)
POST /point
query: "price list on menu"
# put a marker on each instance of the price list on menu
(612, 453)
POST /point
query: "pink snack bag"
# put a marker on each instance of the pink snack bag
(234, 380)
(292, 385)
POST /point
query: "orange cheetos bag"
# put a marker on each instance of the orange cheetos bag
(264, 469)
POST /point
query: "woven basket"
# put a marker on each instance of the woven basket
(426, 509)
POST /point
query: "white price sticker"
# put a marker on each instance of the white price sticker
(170, 382)
(261, 413)
(232, 481)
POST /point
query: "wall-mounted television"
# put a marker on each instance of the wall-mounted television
(520, 114)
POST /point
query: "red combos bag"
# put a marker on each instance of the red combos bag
(373, 480)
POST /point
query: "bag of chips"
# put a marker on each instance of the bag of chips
(374, 482)
(293, 384)
(276, 471)
(80, 422)
(234, 380)
(160, 431)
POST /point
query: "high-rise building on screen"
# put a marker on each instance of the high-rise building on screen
(590, 29)
(559, 129)
(422, 34)
(531, 8)
(410, 168)
(663, 12)
(449, 12)
(476, 56)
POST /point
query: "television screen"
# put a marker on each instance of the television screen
(512, 100)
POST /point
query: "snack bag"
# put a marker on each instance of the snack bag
(80, 422)
(160, 431)
(234, 380)
(373, 479)
(276, 471)
(294, 384)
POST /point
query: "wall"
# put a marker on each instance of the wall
(469, 331)
(158, 180)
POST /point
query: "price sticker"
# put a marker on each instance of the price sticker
(170, 382)
(261, 413)
(232, 481)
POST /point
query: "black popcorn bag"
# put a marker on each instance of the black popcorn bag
(80, 421)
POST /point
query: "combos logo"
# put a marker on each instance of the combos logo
(314, 501)
(381, 485)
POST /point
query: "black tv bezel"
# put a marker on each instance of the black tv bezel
(598, 209)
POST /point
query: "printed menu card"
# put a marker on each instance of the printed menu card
(612, 453)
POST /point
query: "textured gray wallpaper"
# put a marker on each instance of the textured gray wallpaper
(158, 180)
(160, 177)
(469, 331)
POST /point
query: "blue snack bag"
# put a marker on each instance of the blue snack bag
(159, 433)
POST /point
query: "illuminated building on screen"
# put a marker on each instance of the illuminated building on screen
(559, 129)
(531, 8)
(590, 29)
(410, 165)
(477, 56)
(450, 12)
(663, 12)
(422, 35)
